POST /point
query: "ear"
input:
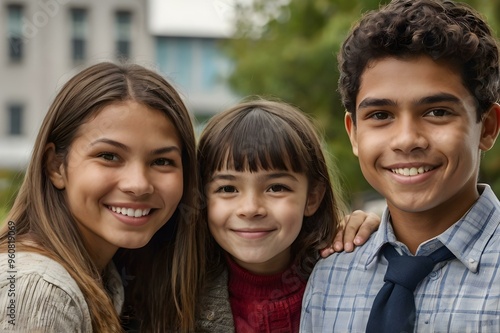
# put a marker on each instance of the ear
(54, 166)
(351, 131)
(491, 127)
(314, 199)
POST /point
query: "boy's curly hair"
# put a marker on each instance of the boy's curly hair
(445, 30)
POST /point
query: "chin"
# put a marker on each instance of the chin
(133, 244)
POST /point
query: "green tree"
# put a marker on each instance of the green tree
(490, 166)
(287, 49)
(10, 181)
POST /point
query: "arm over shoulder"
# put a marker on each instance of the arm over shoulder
(39, 295)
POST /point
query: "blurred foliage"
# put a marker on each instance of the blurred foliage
(10, 181)
(287, 49)
(3, 214)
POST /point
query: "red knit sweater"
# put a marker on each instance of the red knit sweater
(265, 303)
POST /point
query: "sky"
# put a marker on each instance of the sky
(203, 18)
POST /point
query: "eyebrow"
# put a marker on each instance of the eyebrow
(280, 175)
(121, 146)
(371, 102)
(432, 99)
(439, 98)
(273, 175)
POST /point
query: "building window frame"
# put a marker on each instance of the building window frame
(15, 119)
(79, 33)
(15, 33)
(123, 29)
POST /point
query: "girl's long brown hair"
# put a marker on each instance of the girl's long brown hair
(42, 216)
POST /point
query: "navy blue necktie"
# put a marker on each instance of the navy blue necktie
(393, 310)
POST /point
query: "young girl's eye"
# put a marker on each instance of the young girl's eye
(108, 156)
(226, 189)
(278, 188)
(163, 162)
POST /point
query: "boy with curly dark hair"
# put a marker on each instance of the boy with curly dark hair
(420, 83)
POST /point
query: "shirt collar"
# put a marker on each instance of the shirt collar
(467, 238)
(384, 235)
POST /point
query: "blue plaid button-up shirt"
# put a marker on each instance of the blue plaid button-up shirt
(461, 295)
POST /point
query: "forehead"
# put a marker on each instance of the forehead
(129, 122)
(401, 80)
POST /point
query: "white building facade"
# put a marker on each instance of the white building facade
(45, 42)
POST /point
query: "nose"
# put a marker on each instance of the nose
(251, 205)
(136, 180)
(408, 135)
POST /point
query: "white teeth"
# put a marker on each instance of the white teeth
(411, 171)
(130, 211)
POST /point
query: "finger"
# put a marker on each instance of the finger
(338, 241)
(353, 222)
(327, 251)
(369, 226)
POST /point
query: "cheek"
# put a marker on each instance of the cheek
(214, 213)
(455, 144)
(172, 188)
(77, 190)
(367, 153)
(293, 216)
(216, 230)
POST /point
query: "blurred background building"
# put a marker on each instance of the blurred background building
(187, 35)
(213, 51)
(48, 41)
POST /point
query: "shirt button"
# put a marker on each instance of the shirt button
(210, 315)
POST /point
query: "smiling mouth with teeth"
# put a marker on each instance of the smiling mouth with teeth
(130, 211)
(411, 171)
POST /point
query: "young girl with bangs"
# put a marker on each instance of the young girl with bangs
(270, 206)
(113, 163)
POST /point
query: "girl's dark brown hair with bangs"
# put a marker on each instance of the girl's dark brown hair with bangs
(261, 134)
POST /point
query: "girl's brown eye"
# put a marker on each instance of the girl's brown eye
(226, 189)
(278, 188)
(108, 156)
(164, 161)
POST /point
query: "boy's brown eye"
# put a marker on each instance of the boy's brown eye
(438, 112)
(379, 115)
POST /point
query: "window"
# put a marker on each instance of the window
(209, 66)
(14, 32)
(79, 33)
(123, 34)
(184, 61)
(175, 58)
(193, 63)
(15, 119)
